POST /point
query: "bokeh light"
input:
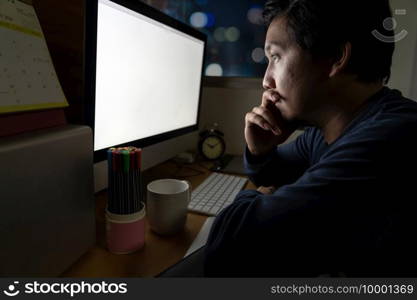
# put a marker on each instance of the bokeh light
(198, 19)
(234, 31)
(214, 70)
(232, 34)
(258, 55)
(211, 20)
(214, 51)
(255, 15)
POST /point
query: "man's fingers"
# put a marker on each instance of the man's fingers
(268, 117)
(269, 104)
(266, 190)
(255, 119)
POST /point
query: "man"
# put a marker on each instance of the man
(341, 198)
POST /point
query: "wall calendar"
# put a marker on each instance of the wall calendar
(28, 80)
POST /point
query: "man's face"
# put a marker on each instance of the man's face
(293, 75)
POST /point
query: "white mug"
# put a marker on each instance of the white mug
(167, 204)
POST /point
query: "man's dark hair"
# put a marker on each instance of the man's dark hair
(322, 27)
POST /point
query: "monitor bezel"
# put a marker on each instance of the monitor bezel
(90, 48)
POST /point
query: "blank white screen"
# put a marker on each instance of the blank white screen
(147, 77)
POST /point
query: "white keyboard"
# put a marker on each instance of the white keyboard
(216, 192)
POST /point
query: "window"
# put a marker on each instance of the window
(235, 33)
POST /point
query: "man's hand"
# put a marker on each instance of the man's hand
(264, 126)
(266, 190)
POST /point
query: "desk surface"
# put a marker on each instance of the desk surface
(159, 252)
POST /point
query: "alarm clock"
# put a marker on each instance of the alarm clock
(212, 145)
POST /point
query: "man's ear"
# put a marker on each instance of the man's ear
(342, 60)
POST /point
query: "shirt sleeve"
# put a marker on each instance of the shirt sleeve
(283, 165)
(332, 212)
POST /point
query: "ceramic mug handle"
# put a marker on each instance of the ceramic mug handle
(189, 189)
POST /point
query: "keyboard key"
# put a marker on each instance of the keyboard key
(214, 210)
(216, 192)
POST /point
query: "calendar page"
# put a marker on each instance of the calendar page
(28, 80)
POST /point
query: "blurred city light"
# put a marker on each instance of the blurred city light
(232, 34)
(210, 20)
(234, 29)
(255, 15)
(258, 55)
(198, 19)
(214, 70)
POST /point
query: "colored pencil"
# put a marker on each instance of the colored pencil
(124, 180)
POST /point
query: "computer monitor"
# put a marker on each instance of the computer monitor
(143, 75)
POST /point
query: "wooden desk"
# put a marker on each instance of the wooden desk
(159, 252)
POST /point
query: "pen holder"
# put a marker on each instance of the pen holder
(125, 233)
(125, 211)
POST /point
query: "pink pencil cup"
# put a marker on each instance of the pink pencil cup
(125, 233)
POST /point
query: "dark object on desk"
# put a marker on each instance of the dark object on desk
(190, 266)
(47, 214)
(232, 164)
(212, 144)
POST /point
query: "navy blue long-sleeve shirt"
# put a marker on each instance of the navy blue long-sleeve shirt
(345, 207)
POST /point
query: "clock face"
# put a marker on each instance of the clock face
(212, 147)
